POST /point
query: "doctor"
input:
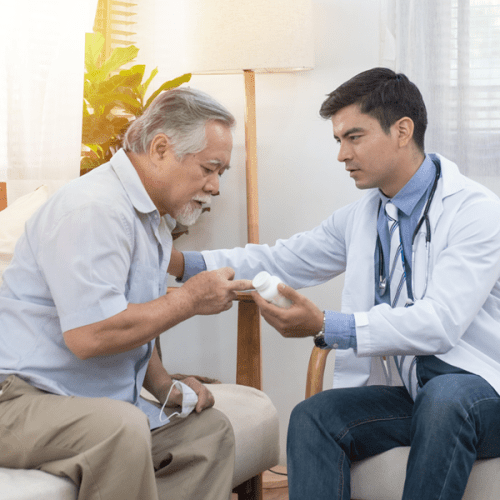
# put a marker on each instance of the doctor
(432, 309)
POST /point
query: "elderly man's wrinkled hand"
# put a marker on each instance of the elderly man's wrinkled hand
(205, 397)
(212, 292)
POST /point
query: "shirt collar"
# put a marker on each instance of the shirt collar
(408, 197)
(134, 187)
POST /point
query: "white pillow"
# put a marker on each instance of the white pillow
(12, 221)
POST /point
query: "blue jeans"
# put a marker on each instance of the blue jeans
(454, 420)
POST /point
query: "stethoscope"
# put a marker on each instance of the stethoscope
(423, 219)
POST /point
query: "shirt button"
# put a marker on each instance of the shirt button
(335, 346)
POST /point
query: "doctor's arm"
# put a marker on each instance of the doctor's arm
(305, 319)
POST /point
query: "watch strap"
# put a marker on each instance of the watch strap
(319, 338)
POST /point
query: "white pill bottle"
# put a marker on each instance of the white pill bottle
(267, 286)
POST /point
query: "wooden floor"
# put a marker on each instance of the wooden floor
(276, 494)
(275, 484)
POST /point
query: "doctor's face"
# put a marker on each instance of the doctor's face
(370, 155)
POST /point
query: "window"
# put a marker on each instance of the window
(475, 81)
(115, 20)
(451, 50)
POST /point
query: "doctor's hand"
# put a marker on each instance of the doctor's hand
(302, 319)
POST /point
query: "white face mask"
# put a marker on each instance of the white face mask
(189, 400)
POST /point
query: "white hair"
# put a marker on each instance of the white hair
(181, 114)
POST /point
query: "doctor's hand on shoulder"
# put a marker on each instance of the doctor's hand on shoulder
(302, 319)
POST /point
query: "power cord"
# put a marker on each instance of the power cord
(278, 473)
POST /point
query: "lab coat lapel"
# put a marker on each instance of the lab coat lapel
(361, 241)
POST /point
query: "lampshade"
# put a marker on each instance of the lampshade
(229, 36)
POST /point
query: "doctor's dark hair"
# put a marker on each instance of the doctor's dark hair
(383, 94)
(181, 114)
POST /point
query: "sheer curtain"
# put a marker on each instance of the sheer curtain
(451, 50)
(41, 91)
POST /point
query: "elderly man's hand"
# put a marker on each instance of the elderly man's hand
(212, 292)
(302, 319)
(205, 397)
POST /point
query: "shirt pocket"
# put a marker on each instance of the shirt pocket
(143, 284)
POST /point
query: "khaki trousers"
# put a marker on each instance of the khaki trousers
(106, 448)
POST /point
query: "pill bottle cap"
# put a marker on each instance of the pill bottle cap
(261, 280)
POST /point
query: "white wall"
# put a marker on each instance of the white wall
(300, 183)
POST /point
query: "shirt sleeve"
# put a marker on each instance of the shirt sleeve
(85, 260)
(194, 263)
(340, 330)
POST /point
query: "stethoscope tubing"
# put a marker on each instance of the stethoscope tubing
(423, 219)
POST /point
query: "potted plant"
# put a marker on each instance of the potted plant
(112, 98)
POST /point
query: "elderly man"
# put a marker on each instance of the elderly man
(85, 297)
(421, 257)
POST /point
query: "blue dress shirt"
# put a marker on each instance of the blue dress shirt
(97, 245)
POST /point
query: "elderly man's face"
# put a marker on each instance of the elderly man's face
(189, 184)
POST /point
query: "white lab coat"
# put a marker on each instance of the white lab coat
(459, 317)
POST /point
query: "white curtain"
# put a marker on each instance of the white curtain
(160, 35)
(41, 91)
(451, 50)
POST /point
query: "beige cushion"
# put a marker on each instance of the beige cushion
(21, 484)
(251, 413)
(255, 422)
(382, 477)
(12, 221)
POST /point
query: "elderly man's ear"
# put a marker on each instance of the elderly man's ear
(159, 146)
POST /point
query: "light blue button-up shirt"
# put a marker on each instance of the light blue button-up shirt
(410, 202)
(97, 245)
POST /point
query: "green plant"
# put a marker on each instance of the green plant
(112, 98)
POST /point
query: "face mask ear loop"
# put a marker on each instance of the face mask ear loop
(175, 382)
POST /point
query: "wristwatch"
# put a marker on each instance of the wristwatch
(319, 338)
